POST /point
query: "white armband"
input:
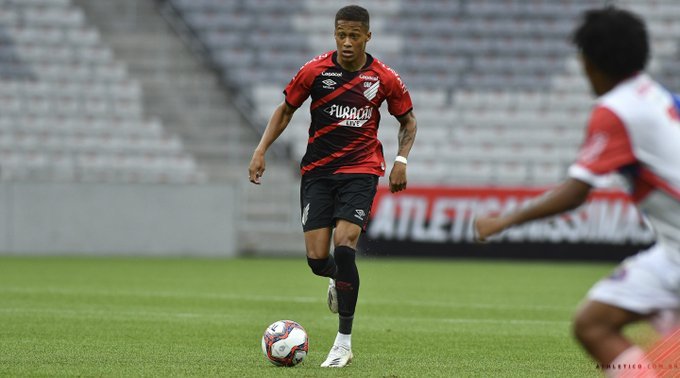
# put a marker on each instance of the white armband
(401, 159)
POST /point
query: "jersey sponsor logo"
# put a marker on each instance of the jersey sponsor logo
(349, 112)
(331, 74)
(372, 91)
(351, 116)
(329, 84)
(368, 77)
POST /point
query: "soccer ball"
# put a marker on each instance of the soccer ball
(285, 343)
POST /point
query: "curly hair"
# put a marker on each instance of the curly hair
(613, 40)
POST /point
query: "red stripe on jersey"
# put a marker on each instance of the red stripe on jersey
(322, 131)
(339, 153)
(607, 146)
(329, 97)
(648, 181)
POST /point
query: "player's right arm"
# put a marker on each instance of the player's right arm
(277, 123)
(296, 93)
(606, 149)
(571, 194)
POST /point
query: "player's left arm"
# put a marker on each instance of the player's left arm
(571, 194)
(407, 135)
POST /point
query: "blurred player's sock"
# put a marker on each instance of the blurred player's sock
(632, 362)
(323, 267)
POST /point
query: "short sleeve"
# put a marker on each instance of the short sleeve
(300, 86)
(606, 149)
(398, 99)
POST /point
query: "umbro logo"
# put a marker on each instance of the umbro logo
(359, 214)
(329, 84)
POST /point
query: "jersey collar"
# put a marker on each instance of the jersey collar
(369, 61)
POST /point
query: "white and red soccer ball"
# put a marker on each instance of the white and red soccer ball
(285, 343)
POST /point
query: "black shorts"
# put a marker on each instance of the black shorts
(325, 199)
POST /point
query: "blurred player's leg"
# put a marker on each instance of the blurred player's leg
(598, 327)
(642, 287)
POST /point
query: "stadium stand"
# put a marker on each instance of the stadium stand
(497, 91)
(69, 110)
(90, 97)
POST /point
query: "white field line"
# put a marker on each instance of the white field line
(289, 299)
(144, 315)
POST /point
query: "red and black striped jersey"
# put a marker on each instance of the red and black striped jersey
(343, 135)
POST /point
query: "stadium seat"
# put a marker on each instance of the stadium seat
(68, 109)
(491, 80)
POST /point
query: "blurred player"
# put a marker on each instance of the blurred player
(344, 158)
(634, 130)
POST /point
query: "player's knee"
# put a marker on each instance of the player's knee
(588, 330)
(348, 239)
(344, 255)
(322, 267)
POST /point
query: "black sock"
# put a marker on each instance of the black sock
(347, 285)
(323, 267)
(345, 324)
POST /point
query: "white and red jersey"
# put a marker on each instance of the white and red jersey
(343, 135)
(634, 130)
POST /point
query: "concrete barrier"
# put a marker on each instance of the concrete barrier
(117, 219)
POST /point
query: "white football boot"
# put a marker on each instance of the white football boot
(338, 357)
(332, 297)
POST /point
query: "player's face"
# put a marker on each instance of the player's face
(350, 40)
(593, 75)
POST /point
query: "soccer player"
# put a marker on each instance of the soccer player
(344, 158)
(634, 130)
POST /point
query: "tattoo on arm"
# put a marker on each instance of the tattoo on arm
(407, 134)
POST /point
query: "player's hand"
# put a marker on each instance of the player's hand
(485, 227)
(398, 177)
(256, 167)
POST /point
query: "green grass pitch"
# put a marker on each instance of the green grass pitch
(199, 317)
